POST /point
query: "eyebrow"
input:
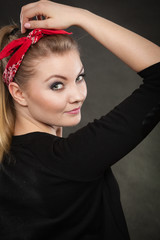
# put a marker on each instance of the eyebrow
(62, 77)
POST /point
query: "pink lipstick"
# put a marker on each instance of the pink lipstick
(74, 111)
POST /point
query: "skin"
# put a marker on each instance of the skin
(137, 52)
(44, 105)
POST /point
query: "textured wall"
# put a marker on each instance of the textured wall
(109, 82)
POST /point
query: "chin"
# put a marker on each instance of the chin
(73, 123)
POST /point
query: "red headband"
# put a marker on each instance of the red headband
(22, 44)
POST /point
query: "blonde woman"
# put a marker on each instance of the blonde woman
(63, 188)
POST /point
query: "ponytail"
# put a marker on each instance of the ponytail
(7, 112)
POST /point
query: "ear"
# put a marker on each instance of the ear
(17, 94)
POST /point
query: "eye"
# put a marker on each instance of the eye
(80, 77)
(57, 86)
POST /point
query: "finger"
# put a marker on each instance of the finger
(23, 30)
(29, 11)
(33, 9)
(38, 24)
(26, 7)
(22, 15)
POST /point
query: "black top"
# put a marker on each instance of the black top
(63, 188)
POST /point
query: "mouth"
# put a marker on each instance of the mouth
(74, 111)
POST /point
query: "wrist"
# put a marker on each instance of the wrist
(81, 16)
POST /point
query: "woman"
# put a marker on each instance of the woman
(63, 188)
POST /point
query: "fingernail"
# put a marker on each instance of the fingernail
(27, 25)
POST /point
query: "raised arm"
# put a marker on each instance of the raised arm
(130, 47)
(134, 50)
(104, 141)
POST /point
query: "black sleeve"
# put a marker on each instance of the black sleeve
(86, 153)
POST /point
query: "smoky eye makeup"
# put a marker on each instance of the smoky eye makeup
(56, 86)
(83, 74)
(81, 77)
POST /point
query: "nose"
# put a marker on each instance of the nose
(77, 93)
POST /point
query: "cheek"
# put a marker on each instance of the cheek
(55, 103)
(49, 102)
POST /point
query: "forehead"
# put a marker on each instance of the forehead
(66, 63)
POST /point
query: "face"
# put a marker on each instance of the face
(57, 91)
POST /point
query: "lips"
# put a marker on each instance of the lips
(74, 111)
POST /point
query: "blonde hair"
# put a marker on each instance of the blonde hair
(49, 44)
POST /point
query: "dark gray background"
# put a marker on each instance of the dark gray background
(109, 81)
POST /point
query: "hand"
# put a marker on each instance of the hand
(57, 16)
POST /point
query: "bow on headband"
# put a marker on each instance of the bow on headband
(22, 44)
